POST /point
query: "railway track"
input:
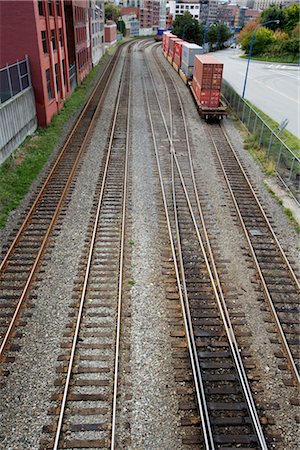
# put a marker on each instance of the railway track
(20, 265)
(86, 403)
(228, 415)
(275, 273)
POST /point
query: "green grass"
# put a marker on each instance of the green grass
(131, 282)
(258, 153)
(291, 141)
(287, 59)
(292, 219)
(23, 166)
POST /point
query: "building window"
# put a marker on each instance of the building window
(49, 87)
(53, 40)
(56, 77)
(58, 7)
(60, 36)
(50, 8)
(44, 42)
(41, 9)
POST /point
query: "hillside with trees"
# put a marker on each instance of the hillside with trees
(274, 41)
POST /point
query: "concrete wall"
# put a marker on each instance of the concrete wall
(17, 120)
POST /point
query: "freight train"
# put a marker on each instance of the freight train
(201, 73)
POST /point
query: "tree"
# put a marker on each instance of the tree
(121, 27)
(274, 12)
(112, 12)
(291, 17)
(187, 28)
(263, 38)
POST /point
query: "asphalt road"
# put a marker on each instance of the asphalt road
(274, 88)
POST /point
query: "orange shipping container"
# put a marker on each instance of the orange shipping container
(208, 72)
(165, 34)
(209, 98)
(178, 52)
(172, 43)
(168, 37)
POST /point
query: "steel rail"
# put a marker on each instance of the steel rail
(293, 275)
(217, 285)
(286, 348)
(121, 264)
(221, 306)
(194, 360)
(61, 154)
(87, 273)
(54, 217)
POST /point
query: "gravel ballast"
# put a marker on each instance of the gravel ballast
(25, 399)
(238, 279)
(154, 419)
(154, 403)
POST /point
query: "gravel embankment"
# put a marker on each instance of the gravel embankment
(25, 400)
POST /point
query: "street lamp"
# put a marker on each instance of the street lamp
(250, 50)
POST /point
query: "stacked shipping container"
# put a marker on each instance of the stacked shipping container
(166, 40)
(171, 50)
(188, 55)
(207, 80)
(178, 53)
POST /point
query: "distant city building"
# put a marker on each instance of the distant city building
(149, 13)
(228, 14)
(264, 4)
(37, 29)
(179, 8)
(212, 15)
(131, 3)
(110, 33)
(97, 29)
(130, 16)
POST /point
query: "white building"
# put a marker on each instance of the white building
(264, 4)
(178, 9)
(97, 29)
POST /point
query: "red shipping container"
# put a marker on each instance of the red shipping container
(165, 33)
(209, 98)
(208, 72)
(168, 37)
(172, 43)
(178, 52)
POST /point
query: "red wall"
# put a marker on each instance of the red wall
(21, 28)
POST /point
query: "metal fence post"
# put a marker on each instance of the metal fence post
(243, 115)
(292, 168)
(279, 156)
(19, 75)
(261, 133)
(9, 81)
(248, 122)
(270, 144)
(28, 69)
(255, 123)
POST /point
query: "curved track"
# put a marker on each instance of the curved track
(22, 260)
(87, 403)
(226, 407)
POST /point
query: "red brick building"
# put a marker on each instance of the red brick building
(79, 36)
(37, 29)
(150, 13)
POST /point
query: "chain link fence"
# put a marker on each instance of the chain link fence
(14, 79)
(287, 164)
